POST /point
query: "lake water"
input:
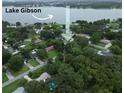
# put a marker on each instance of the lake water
(59, 15)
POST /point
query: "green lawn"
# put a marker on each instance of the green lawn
(33, 62)
(4, 77)
(24, 69)
(35, 74)
(10, 88)
(52, 53)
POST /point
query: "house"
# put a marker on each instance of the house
(43, 77)
(5, 46)
(19, 90)
(15, 52)
(49, 48)
(33, 54)
(12, 26)
(11, 50)
(104, 53)
(105, 41)
(22, 46)
(27, 78)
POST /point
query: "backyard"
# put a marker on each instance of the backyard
(52, 53)
(23, 69)
(33, 62)
(10, 88)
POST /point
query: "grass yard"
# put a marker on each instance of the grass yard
(29, 45)
(35, 74)
(33, 62)
(24, 69)
(52, 53)
(4, 77)
(10, 88)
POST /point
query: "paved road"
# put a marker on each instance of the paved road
(9, 75)
(39, 61)
(28, 65)
(22, 75)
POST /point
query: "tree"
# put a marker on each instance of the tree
(23, 33)
(117, 42)
(60, 57)
(22, 82)
(58, 44)
(38, 25)
(16, 62)
(51, 31)
(68, 81)
(73, 48)
(113, 35)
(5, 56)
(42, 54)
(76, 29)
(11, 41)
(81, 41)
(36, 87)
(52, 69)
(25, 52)
(18, 24)
(116, 50)
(95, 38)
(4, 26)
(47, 35)
(41, 45)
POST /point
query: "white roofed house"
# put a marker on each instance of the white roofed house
(5, 46)
(22, 46)
(19, 90)
(15, 52)
(50, 48)
(11, 50)
(44, 76)
(11, 26)
(104, 53)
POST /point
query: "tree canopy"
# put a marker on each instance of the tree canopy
(16, 62)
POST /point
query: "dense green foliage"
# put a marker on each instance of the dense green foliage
(36, 87)
(78, 68)
(42, 54)
(16, 62)
(51, 32)
(95, 38)
(5, 56)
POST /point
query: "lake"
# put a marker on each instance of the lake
(59, 15)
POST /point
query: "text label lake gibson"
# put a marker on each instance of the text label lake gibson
(22, 10)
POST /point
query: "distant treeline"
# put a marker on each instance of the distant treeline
(75, 4)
